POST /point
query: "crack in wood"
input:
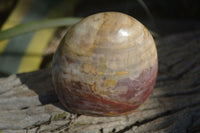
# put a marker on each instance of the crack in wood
(167, 113)
(66, 127)
(186, 93)
(28, 102)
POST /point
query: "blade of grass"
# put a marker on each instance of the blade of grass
(144, 6)
(149, 14)
(37, 25)
(154, 34)
(28, 27)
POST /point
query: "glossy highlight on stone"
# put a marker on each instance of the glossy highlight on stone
(106, 65)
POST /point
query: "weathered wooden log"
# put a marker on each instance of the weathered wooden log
(28, 102)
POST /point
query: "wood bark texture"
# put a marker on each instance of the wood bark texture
(28, 102)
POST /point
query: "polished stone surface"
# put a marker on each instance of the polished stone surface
(108, 56)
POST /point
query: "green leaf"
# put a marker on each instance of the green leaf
(37, 25)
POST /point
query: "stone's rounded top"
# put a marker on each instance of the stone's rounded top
(107, 30)
(108, 43)
(105, 65)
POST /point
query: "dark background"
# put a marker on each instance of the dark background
(168, 16)
(177, 9)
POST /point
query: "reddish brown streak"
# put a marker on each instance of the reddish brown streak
(78, 98)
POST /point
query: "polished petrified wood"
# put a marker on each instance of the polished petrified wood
(28, 102)
(106, 65)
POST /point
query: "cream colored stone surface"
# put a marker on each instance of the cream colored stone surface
(111, 45)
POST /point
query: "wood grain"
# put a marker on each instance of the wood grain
(28, 102)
